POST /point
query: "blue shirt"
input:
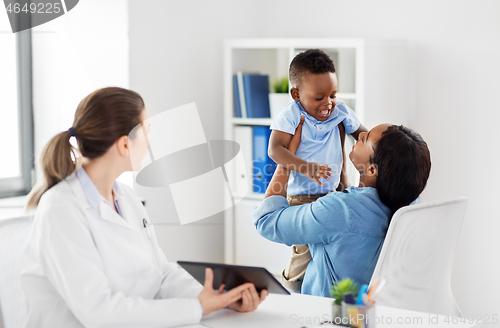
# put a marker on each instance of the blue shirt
(92, 194)
(320, 142)
(345, 232)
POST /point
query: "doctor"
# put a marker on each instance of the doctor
(93, 259)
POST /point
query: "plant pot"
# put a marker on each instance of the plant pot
(337, 313)
(361, 316)
(277, 101)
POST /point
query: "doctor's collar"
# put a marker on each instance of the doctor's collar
(93, 196)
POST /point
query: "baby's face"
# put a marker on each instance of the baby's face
(317, 94)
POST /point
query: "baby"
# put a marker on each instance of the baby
(319, 164)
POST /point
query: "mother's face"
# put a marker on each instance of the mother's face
(364, 148)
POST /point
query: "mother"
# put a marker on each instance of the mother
(345, 230)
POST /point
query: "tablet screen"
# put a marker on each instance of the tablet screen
(235, 275)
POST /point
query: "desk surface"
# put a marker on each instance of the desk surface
(297, 311)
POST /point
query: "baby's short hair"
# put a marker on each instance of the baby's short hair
(314, 61)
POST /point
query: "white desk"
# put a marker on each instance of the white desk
(296, 311)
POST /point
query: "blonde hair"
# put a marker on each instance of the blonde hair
(101, 118)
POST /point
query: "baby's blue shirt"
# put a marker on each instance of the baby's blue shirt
(320, 142)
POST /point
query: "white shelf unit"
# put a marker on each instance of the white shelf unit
(251, 121)
(272, 57)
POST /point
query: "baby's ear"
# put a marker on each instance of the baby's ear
(294, 92)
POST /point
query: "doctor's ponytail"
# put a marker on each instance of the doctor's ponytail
(58, 160)
(101, 118)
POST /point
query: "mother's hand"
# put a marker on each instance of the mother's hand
(295, 141)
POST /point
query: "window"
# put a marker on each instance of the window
(16, 132)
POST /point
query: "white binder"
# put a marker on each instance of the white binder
(244, 173)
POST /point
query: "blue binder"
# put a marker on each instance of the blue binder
(256, 88)
(236, 96)
(263, 166)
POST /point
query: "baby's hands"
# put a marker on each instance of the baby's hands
(315, 171)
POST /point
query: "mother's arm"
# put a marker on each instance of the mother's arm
(279, 181)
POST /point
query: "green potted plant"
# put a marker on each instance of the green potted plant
(339, 290)
(279, 97)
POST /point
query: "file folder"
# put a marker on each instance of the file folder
(256, 89)
(236, 97)
(263, 166)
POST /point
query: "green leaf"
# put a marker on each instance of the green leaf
(281, 85)
(343, 287)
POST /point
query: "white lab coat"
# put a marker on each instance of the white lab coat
(90, 267)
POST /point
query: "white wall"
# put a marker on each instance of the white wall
(73, 55)
(454, 45)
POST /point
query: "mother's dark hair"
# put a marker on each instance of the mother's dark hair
(403, 166)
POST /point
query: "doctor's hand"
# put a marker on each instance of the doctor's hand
(249, 301)
(212, 300)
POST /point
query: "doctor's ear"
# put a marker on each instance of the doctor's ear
(122, 145)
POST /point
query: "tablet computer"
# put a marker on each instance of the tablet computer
(235, 275)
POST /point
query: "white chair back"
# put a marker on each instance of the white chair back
(14, 235)
(416, 259)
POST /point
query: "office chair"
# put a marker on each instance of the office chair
(14, 235)
(416, 259)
